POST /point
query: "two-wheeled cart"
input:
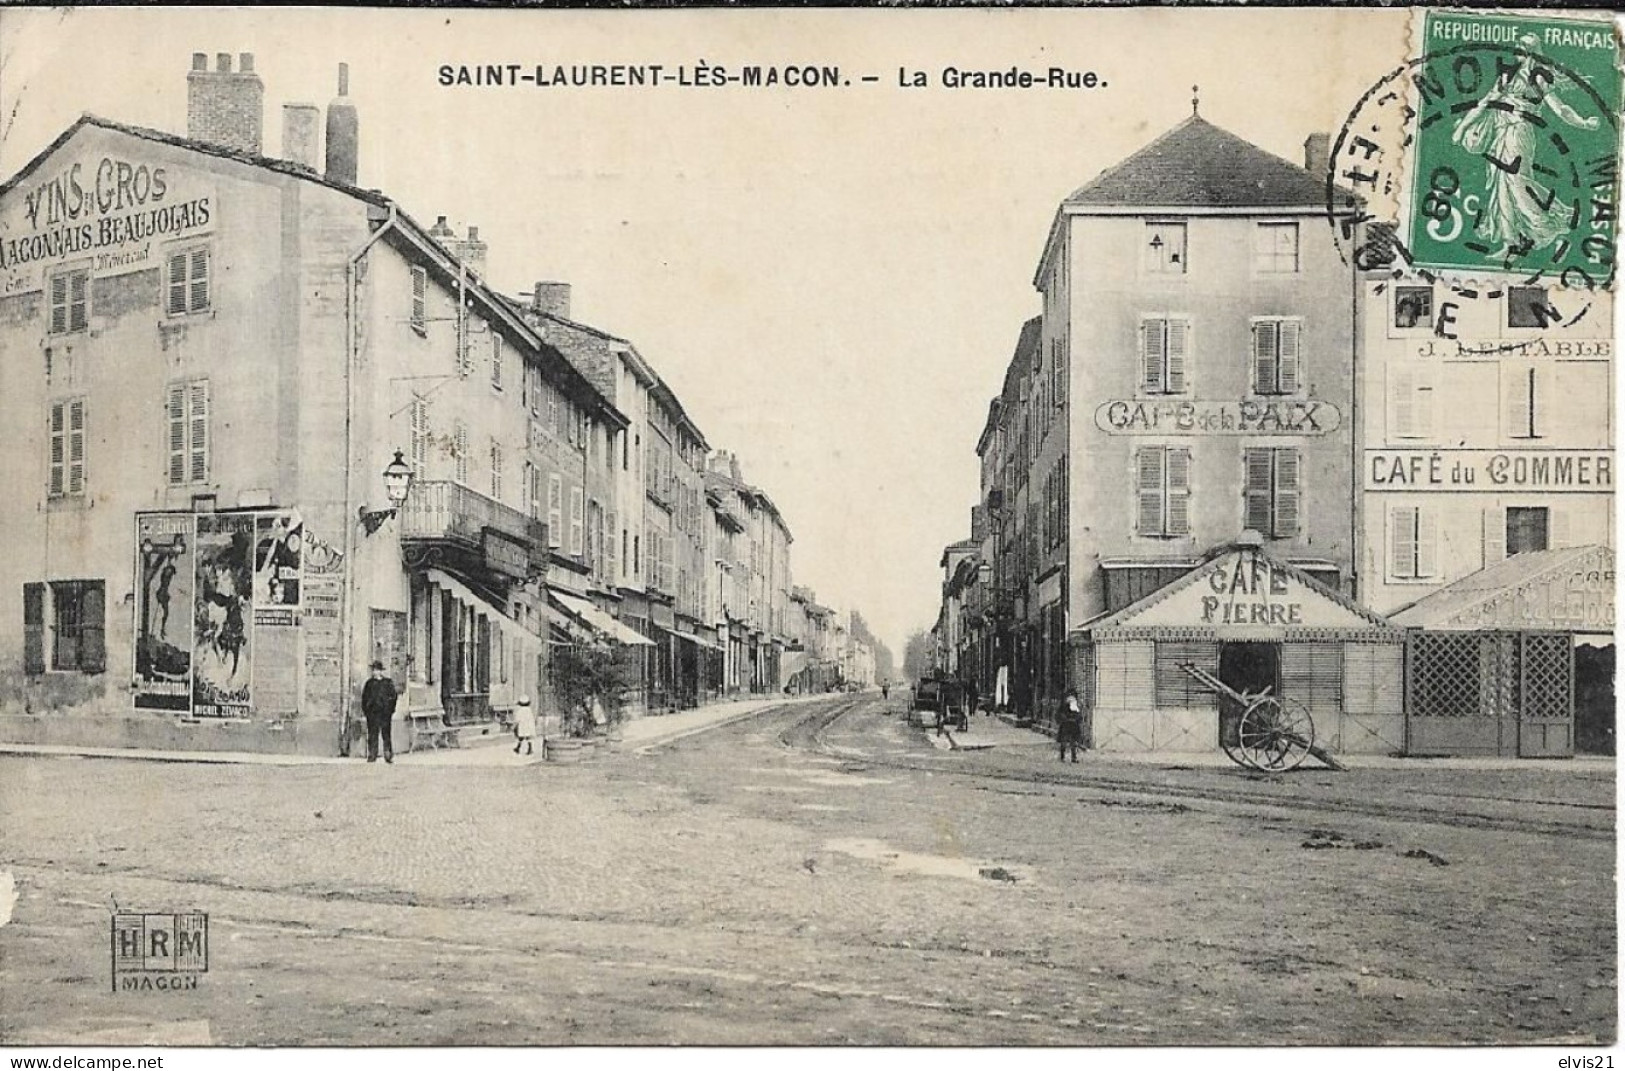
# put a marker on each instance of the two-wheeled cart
(1271, 734)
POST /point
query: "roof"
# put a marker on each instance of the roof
(1509, 594)
(1199, 165)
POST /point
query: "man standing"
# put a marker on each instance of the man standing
(378, 704)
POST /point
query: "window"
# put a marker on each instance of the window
(1527, 307)
(188, 415)
(1272, 491)
(1413, 307)
(1528, 529)
(1412, 543)
(78, 616)
(1276, 356)
(637, 554)
(1410, 402)
(70, 301)
(1164, 252)
(1518, 391)
(496, 361)
(527, 396)
(528, 489)
(420, 300)
(419, 420)
(1164, 345)
(496, 470)
(459, 452)
(555, 509)
(67, 476)
(626, 553)
(1164, 488)
(1275, 248)
(187, 281)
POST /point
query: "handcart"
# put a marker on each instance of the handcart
(1271, 734)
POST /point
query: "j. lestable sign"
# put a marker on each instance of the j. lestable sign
(1194, 416)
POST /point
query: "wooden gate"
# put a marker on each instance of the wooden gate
(1489, 693)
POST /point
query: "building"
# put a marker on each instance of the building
(239, 360)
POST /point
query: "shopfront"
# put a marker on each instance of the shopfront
(1257, 624)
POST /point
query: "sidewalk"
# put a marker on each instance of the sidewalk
(640, 733)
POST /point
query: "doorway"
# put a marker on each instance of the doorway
(1594, 699)
(1249, 668)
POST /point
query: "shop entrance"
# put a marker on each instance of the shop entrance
(1594, 699)
(1249, 668)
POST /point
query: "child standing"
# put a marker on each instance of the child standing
(524, 724)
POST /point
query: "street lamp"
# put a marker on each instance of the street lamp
(397, 480)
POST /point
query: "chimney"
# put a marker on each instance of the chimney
(299, 134)
(441, 230)
(224, 107)
(343, 133)
(552, 299)
(470, 250)
(1317, 155)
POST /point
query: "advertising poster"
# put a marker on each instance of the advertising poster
(278, 552)
(222, 660)
(163, 648)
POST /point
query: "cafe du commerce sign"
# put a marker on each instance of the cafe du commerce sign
(104, 211)
(1191, 416)
(1490, 470)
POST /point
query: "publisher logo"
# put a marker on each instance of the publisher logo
(159, 951)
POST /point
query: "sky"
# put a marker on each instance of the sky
(831, 279)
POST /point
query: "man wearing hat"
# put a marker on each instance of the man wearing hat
(378, 704)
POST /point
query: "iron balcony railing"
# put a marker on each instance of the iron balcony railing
(443, 509)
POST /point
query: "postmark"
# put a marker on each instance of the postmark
(1489, 161)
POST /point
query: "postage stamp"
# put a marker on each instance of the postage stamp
(1512, 166)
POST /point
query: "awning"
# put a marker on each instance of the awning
(700, 640)
(461, 592)
(598, 620)
(1566, 590)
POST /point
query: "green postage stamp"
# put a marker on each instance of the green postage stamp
(1513, 162)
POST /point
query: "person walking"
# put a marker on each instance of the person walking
(524, 725)
(1070, 730)
(378, 704)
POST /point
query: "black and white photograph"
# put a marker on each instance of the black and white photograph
(1087, 530)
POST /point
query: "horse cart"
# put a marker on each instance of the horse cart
(1262, 731)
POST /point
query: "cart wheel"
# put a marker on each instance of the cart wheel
(1275, 735)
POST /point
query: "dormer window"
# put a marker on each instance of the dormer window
(1164, 250)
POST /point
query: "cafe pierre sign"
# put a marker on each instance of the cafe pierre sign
(1195, 416)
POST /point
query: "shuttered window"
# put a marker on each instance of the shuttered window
(1175, 687)
(70, 301)
(1272, 491)
(496, 470)
(1312, 674)
(1164, 349)
(1519, 389)
(186, 281)
(186, 411)
(1412, 543)
(1410, 402)
(496, 360)
(33, 628)
(67, 448)
(420, 436)
(459, 450)
(420, 300)
(577, 523)
(1163, 491)
(1277, 357)
(555, 509)
(78, 626)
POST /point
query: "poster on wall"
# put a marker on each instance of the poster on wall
(323, 641)
(278, 552)
(165, 546)
(222, 650)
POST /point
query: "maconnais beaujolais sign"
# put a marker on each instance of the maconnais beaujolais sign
(103, 210)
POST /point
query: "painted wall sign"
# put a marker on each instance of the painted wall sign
(1189, 416)
(165, 545)
(1247, 592)
(1490, 470)
(105, 210)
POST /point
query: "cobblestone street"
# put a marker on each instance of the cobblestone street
(817, 874)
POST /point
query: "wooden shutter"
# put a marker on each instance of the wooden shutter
(1258, 481)
(1519, 409)
(1178, 348)
(1153, 350)
(610, 544)
(197, 446)
(1265, 357)
(1174, 687)
(1422, 404)
(496, 360)
(420, 297)
(1290, 356)
(175, 410)
(1150, 463)
(198, 297)
(1287, 495)
(577, 542)
(175, 300)
(92, 627)
(59, 449)
(419, 420)
(76, 447)
(1179, 491)
(1402, 542)
(78, 300)
(33, 628)
(1557, 528)
(459, 448)
(59, 303)
(1312, 674)
(1427, 543)
(1495, 535)
(496, 471)
(1401, 402)
(555, 510)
